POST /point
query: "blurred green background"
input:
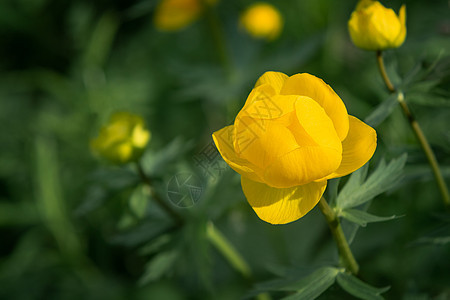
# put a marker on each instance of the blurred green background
(73, 227)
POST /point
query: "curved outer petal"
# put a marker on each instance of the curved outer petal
(374, 27)
(223, 139)
(358, 148)
(318, 152)
(385, 25)
(402, 35)
(275, 79)
(315, 88)
(281, 206)
(261, 92)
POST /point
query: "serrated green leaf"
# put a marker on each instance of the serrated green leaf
(355, 180)
(382, 179)
(361, 217)
(382, 111)
(314, 285)
(358, 288)
(158, 266)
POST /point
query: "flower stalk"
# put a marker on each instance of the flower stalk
(417, 131)
(215, 237)
(345, 253)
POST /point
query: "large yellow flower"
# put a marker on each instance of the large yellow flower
(291, 136)
(123, 139)
(375, 27)
(262, 20)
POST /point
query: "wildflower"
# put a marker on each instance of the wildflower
(172, 15)
(262, 20)
(123, 139)
(375, 27)
(291, 136)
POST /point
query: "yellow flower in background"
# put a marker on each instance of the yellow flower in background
(123, 139)
(375, 27)
(291, 136)
(172, 15)
(262, 20)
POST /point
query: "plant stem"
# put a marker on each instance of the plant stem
(418, 132)
(228, 251)
(382, 69)
(345, 253)
(215, 237)
(163, 204)
(231, 255)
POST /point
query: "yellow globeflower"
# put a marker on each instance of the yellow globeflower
(375, 27)
(291, 136)
(171, 15)
(123, 139)
(262, 20)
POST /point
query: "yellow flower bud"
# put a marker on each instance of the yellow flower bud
(375, 27)
(291, 136)
(172, 15)
(262, 20)
(123, 139)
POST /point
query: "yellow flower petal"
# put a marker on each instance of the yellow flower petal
(262, 142)
(318, 152)
(375, 27)
(281, 206)
(315, 121)
(275, 79)
(358, 148)
(402, 35)
(223, 139)
(316, 89)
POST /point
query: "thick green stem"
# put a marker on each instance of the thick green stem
(418, 132)
(345, 253)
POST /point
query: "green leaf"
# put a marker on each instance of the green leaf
(313, 285)
(139, 200)
(358, 288)
(332, 190)
(158, 266)
(361, 217)
(382, 111)
(355, 180)
(382, 179)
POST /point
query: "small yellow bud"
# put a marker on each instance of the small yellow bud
(172, 15)
(262, 20)
(375, 27)
(123, 139)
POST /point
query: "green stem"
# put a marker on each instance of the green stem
(418, 132)
(230, 253)
(216, 238)
(345, 253)
(227, 250)
(383, 72)
(163, 204)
